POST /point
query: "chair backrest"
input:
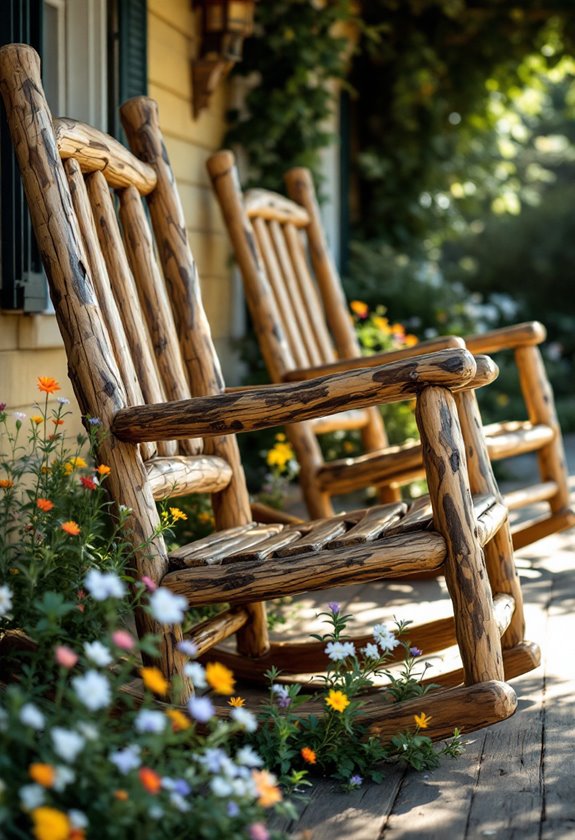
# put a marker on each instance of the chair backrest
(109, 282)
(296, 302)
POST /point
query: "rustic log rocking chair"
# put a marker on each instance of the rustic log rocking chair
(120, 312)
(304, 330)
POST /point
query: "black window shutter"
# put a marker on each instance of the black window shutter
(22, 282)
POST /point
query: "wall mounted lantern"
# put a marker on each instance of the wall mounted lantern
(225, 24)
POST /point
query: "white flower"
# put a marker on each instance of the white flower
(30, 715)
(98, 653)
(187, 647)
(196, 673)
(148, 720)
(103, 585)
(31, 796)
(337, 651)
(248, 757)
(168, 608)
(64, 777)
(178, 801)
(371, 651)
(93, 690)
(246, 719)
(156, 812)
(221, 787)
(126, 759)
(78, 818)
(384, 637)
(67, 743)
(88, 730)
(5, 600)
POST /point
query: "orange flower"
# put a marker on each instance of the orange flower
(268, 791)
(37, 419)
(42, 774)
(77, 834)
(308, 755)
(71, 528)
(411, 340)
(220, 678)
(154, 680)
(422, 720)
(359, 308)
(57, 421)
(6, 483)
(150, 780)
(103, 470)
(179, 720)
(44, 504)
(236, 702)
(121, 795)
(48, 385)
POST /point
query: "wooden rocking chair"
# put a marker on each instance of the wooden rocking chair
(170, 426)
(304, 330)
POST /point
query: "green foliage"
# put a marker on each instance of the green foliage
(334, 741)
(289, 64)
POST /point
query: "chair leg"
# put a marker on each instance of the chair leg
(541, 407)
(465, 573)
(499, 558)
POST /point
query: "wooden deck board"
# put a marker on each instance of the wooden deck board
(516, 780)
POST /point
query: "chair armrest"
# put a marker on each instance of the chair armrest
(443, 342)
(507, 338)
(275, 405)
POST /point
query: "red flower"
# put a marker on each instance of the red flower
(88, 482)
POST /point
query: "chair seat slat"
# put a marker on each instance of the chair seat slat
(372, 525)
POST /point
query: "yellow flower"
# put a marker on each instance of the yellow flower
(279, 455)
(177, 514)
(37, 419)
(220, 678)
(398, 329)
(205, 517)
(50, 824)
(337, 700)
(236, 702)
(179, 720)
(47, 384)
(42, 774)
(422, 720)
(74, 464)
(268, 791)
(280, 437)
(411, 340)
(359, 308)
(154, 680)
(382, 324)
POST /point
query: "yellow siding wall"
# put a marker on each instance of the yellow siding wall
(30, 345)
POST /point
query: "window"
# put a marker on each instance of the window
(93, 52)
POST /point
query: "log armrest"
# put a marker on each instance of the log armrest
(507, 338)
(275, 405)
(443, 342)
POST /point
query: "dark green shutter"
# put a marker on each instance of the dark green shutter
(133, 53)
(22, 282)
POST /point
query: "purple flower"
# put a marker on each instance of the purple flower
(63, 401)
(182, 787)
(94, 421)
(356, 780)
(201, 709)
(187, 647)
(2, 406)
(233, 809)
(334, 607)
(415, 651)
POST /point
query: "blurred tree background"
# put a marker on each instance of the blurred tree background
(461, 160)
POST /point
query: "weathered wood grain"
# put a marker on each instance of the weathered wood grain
(98, 152)
(273, 405)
